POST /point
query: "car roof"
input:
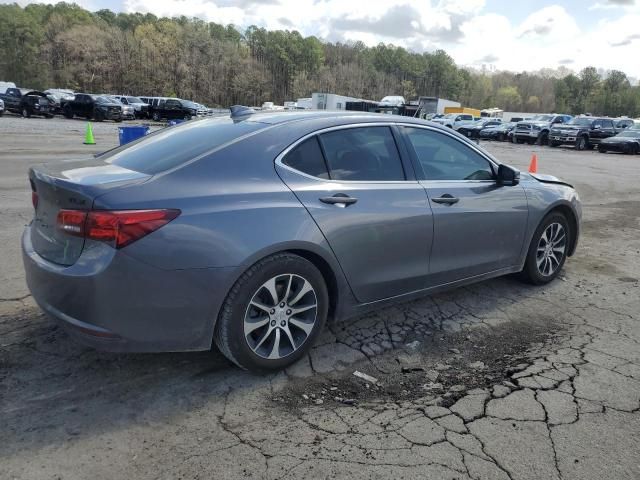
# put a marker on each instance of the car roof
(282, 117)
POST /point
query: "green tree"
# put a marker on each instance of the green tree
(508, 98)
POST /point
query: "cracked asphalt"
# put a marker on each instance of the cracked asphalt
(499, 380)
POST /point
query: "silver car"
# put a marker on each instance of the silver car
(252, 231)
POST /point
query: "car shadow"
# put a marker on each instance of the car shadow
(53, 390)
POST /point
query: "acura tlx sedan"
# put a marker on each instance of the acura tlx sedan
(251, 231)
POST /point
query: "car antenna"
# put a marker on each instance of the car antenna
(241, 111)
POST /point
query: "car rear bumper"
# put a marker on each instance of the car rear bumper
(113, 302)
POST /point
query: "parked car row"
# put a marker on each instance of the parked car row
(26, 102)
(99, 107)
(589, 132)
(582, 132)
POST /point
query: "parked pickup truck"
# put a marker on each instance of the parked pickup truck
(92, 106)
(536, 129)
(172, 108)
(582, 132)
(454, 120)
(26, 102)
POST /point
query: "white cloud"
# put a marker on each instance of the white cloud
(472, 35)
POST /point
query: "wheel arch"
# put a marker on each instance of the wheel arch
(328, 274)
(568, 213)
(340, 295)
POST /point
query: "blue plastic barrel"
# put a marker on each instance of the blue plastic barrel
(129, 134)
(175, 122)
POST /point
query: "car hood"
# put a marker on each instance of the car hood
(539, 124)
(543, 178)
(617, 139)
(570, 127)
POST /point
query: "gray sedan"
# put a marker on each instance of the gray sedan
(251, 231)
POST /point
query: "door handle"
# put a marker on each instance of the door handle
(339, 199)
(446, 199)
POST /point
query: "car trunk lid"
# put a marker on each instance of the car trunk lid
(69, 186)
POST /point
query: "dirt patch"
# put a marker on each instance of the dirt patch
(443, 367)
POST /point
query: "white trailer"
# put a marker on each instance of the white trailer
(304, 103)
(5, 85)
(434, 105)
(507, 116)
(331, 101)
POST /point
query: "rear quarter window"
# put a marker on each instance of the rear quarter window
(173, 146)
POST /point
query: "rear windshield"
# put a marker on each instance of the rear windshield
(170, 147)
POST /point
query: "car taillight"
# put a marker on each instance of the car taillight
(116, 227)
(72, 222)
(34, 194)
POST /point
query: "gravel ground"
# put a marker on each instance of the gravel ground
(494, 381)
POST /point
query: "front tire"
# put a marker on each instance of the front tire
(581, 143)
(26, 113)
(548, 250)
(273, 313)
(543, 139)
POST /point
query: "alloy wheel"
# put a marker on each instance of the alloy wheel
(280, 317)
(551, 249)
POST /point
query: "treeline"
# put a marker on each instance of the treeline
(65, 46)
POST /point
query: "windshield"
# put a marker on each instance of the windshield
(188, 104)
(542, 118)
(584, 122)
(102, 100)
(134, 100)
(174, 146)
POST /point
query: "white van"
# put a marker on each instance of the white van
(5, 85)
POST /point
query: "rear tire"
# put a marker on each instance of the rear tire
(249, 347)
(155, 117)
(26, 113)
(601, 149)
(548, 250)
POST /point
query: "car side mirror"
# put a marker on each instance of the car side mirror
(508, 176)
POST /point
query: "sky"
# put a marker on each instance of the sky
(514, 35)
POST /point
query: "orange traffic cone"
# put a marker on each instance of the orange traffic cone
(533, 166)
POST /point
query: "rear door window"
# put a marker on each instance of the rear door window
(171, 147)
(362, 154)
